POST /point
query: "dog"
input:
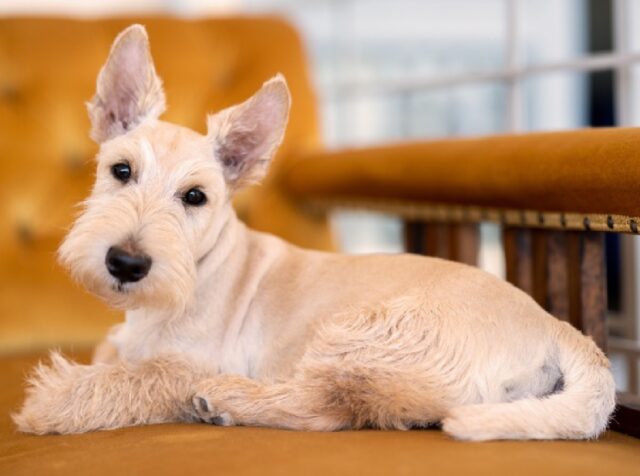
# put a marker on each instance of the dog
(229, 326)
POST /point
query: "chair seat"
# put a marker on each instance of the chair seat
(204, 449)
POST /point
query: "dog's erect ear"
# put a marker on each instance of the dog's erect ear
(245, 137)
(128, 89)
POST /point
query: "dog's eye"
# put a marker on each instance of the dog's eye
(121, 171)
(194, 197)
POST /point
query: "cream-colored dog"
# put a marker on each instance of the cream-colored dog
(233, 327)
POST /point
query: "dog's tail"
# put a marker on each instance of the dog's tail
(580, 411)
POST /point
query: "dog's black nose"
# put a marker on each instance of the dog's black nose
(127, 268)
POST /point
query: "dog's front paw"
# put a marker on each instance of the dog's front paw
(225, 400)
(47, 406)
(206, 411)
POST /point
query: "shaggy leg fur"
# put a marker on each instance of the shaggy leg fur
(232, 400)
(65, 397)
(324, 400)
(356, 373)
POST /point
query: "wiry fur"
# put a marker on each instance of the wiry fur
(65, 397)
(231, 326)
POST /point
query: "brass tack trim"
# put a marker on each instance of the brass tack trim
(448, 213)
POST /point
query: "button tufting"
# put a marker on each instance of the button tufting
(9, 93)
(25, 233)
(74, 161)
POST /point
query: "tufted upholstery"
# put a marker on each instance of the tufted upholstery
(48, 69)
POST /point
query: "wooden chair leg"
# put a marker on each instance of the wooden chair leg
(464, 243)
(587, 291)
(537, 263)
(436, 240)
(414, 237)
(557, 275)
(518, 257)
(539, 267)
(458, 242)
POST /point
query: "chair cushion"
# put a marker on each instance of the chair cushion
(204, 449)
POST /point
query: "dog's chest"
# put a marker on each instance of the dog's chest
(142, 338)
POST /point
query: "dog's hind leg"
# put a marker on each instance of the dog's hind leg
(321, 399)
(233, 400)
(373, 367)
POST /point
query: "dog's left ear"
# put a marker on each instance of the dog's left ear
(128, 89)
(245, 137)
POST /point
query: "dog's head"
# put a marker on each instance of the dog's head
(162, 192)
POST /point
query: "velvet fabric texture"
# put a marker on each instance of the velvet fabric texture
(204, 449)
(591, 171)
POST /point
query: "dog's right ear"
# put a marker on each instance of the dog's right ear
(128, 89)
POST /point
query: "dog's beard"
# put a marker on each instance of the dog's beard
(150, 292)
(170, 283)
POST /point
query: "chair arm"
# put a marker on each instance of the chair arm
(578, 179)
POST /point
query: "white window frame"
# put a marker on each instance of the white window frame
(513, 73)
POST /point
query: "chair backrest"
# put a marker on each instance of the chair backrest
(48, 69)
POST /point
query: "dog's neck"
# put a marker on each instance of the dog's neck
(229, 277)
(235, 261)
(230, 239)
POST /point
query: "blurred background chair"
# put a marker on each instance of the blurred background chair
(48, 69)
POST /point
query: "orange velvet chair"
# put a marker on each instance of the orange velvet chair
(48, 69)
